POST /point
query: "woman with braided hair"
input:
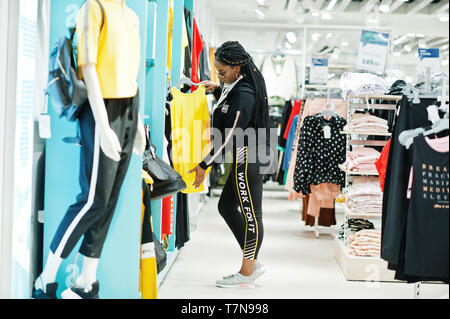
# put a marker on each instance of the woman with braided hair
(242, 106)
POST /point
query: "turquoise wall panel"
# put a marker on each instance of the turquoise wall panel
(118, 270)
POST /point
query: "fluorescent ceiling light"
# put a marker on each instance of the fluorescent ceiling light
(344, 43)
(400, 39)
(315, 13)
(260, 14)
(292, 38)
(445, 62)
(407, 48)
(397, 53)
(331, 5)
(326, 16)
(329, 35)
(422, 45)
(420, 35)
(410, 35)
(385, 6)
(261, 2)
(445, 47)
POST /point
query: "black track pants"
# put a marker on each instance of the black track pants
(100, 179)
(240, 204)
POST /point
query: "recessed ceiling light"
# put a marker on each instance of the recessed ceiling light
(443, 18)
(385, 6)
(344, 43)
(292, 38)
(326, 16)
(315, 36)
(315, 12)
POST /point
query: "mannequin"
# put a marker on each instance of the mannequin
(91, 215)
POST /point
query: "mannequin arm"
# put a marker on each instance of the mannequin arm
(109, 142)
(140, 140)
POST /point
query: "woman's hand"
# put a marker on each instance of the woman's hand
(209, 85)
(199, 177)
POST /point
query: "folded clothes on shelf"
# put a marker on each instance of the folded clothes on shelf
(365, 242)
(354, 225)
(361, 84)
(361, 159)
(360, 123)
(365, 197)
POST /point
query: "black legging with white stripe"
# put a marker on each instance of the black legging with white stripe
(240, 203)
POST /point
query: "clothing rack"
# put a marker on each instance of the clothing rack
(355, 267)
(320, 92)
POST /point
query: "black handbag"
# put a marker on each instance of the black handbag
(166, 180)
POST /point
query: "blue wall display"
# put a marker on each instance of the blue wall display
(118, 270)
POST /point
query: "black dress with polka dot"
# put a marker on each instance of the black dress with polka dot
(318, 155)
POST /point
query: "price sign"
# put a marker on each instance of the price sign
(319, 71)
(373, 50)
(428, 58)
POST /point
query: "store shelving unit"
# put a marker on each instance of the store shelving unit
(362, 268)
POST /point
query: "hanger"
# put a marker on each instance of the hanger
(186, 80)
(406, 138)
(440, 126)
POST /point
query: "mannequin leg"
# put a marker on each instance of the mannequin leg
(49, 273)
(88, 273)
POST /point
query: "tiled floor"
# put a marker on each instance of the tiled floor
(299, 265)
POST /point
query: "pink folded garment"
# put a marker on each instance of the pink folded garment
(359, 118)
(362, 158)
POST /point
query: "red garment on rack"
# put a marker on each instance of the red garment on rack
(197, 47)
(167, 216)
(295, 111)
(381, 163)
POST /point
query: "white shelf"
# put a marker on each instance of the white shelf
(361, 268)
(376, 97)
(363, 106)
(362, 173)
(351, 214)
(373, 133)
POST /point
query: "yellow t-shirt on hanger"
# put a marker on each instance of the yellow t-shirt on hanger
(190, 133)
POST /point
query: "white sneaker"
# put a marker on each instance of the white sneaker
(237, 281)
(258, 270)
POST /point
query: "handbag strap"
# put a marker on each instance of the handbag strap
(148, 142)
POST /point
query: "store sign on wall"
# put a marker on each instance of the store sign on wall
(429, 58)
(373, 50)
(319, 71)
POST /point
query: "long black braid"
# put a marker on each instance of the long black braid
(233, 53)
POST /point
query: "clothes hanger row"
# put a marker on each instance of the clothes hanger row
(406, 138)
